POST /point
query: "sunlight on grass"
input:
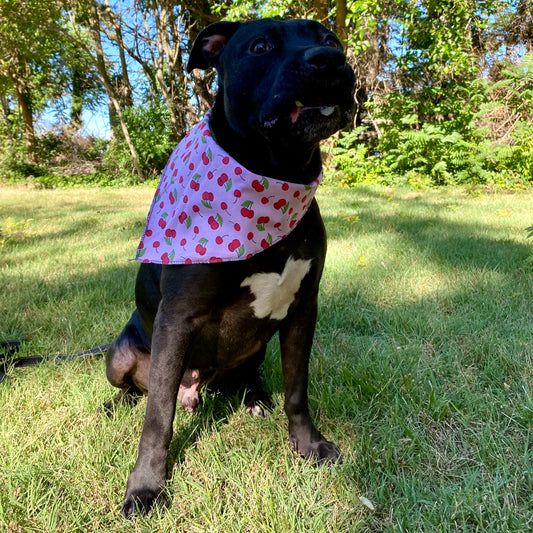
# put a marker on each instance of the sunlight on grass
(422, 372)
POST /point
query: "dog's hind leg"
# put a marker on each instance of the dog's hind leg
(128, 365)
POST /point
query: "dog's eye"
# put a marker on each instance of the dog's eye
(260, 46)
(331, 41)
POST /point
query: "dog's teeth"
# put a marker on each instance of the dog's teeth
(326, 111)
(299, 104)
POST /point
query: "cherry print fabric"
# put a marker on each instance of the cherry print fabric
(208, 208)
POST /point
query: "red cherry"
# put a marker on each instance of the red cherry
(213, 223)
(264, 244)
(165, 259)
(183, 217)
(264, 200)
(156, 244)
(200, 249)
(205, 159)
(225, 160)
(250, 236)
(285, 186)
(257, 186)
(219, 240)
(233, 245)
(183, 242)
(162, 224)
(148, 232)
(208, 196)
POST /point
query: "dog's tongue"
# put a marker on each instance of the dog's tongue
(324, 110)
(295, 113)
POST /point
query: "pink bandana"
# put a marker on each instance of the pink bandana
(208, 208)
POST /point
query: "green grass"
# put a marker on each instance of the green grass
(422, 373)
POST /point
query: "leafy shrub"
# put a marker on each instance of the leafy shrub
(152, 138)
(460, 140)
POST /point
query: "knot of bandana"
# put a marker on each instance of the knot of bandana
(208, 208)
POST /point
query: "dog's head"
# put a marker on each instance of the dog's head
(286, 80)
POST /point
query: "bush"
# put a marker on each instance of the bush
(483, 135)
(152, 137)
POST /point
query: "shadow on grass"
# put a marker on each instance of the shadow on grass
(444, 242)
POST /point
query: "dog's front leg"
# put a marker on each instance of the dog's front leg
(147, 480)
(296, 337)
(187, 298)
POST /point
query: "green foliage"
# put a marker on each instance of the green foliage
(151, 135)
(247, 9)
(12, 230)
(448, 135)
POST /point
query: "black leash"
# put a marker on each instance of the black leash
(10, 348)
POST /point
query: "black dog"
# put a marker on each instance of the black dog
(283, 86)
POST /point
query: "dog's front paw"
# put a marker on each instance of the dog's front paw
(141, 501)
(327, 452)
(322, 451)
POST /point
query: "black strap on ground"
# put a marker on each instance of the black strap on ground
(10, 348)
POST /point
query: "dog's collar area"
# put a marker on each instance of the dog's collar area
(208, 208)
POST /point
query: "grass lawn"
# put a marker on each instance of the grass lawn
(422, 373)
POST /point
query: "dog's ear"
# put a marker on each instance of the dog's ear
(209, 44)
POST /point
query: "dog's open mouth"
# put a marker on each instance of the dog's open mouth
(299, 109)
(325, 110)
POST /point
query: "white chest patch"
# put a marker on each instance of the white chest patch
(275, 292)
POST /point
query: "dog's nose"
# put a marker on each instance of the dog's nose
(324, 58)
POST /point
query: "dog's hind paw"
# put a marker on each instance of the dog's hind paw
(259, 405)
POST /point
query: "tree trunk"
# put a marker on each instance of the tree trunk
(24, 100)
(170, 72)
(112, 94)
(321, 8)
(340, 22)
(7, 118)
(76, 103)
